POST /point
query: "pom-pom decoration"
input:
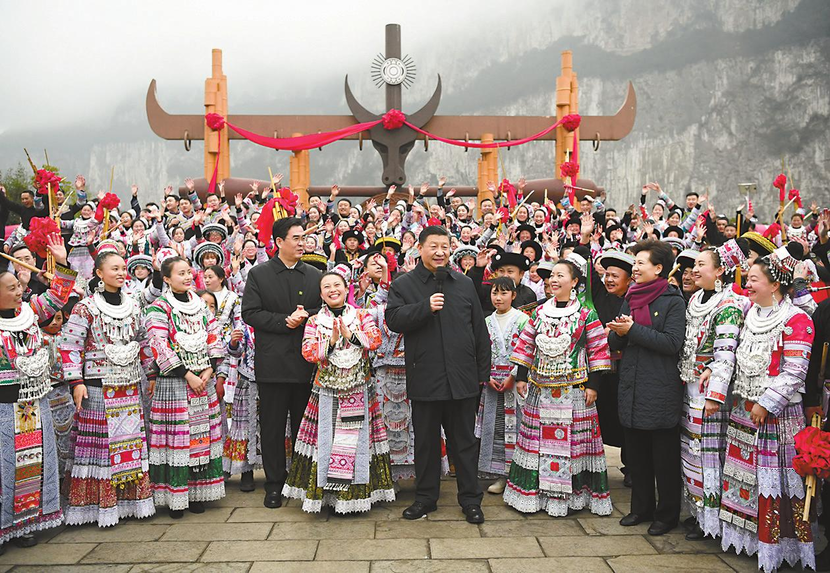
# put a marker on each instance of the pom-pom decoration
(393, 119)
(110, 201)
(813, 447)
(39, 229)
(215, 121)
(571, 121)
(570, 169)
(45, 179)
(780, 183)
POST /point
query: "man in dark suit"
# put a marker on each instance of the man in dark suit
(279, 297)
(447, 358)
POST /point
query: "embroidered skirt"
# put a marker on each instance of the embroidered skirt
(397, 420)
(29, 482)
(702, 451)
(763, 498)
(497, 422)
(242, 451)
(320, 437)
(559, 462)
(63, 414)
(93, 498)
(185, 455)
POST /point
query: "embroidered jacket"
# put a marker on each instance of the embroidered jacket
(391, 349)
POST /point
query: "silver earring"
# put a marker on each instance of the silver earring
(573, 294)
(100, 286)
(718, 285)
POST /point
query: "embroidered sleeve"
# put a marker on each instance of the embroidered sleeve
(71, 343)
(795, 357)
(313, 349)
(599, 355)
(47, 304)
(525, 347)
(727, 325)
(368, 334)
(803, 298)
(157, 322)
(217, 348)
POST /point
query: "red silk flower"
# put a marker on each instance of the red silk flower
(772, 231)
(215, 121)
(393, 119)
(391, 261)
(504, 215)
(287, 200)
(781, 184)
(110, 201)
(44, 179)
(813, 447)
(570, 169)
(433, 222)
(571, 121)
(39, 229)
(795, 194)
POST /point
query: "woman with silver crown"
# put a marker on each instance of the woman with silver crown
(763, 497)
(559, 461)
(29, 480)
(185, 423)
(107, 477)
(713, 320)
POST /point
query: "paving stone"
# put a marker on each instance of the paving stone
(294, 550)
(531, 528)
(548, 564)
(310, 567)
(223, 531)
(213, 514)
(593, 546)
(136, 532)
(147, 552)
(611, 526)
(46, 554)
(380, 512)
(640, 563)
(372, 549)
(423, 529)
(70, 568)
(745, 564)
(495, 512)
(266, 515)
(236, 498)
(334, 529)
(192, 568)
(484, 548)
(459, 566)
(676, 543)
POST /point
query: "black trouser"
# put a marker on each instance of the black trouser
(654, 454)
(275, 402)
(458, 419)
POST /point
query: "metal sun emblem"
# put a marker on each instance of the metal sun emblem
(393, 71)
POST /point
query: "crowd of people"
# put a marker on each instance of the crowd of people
(350, 346)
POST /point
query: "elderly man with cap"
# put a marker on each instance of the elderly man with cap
(503, 264)
(608, 294)
(681, 274)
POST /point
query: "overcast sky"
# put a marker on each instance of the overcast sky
(67, 62)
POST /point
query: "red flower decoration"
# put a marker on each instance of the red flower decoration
(45, 179)
(504, 215)
(554, 466)
(780, 183)
(571, 121)
(813, 447)
(744, 493)
(569, 169)
(39, 229)
(287, 200)
(725, 485)
(393, 119)
(434, 222)
(795, 194)
(215, 121)
(211, 338)
(772, 231)
(110, 201)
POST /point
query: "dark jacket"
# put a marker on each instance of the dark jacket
(267, 302)
(650, 390)
(448, 352)
(814, 387)
(524, 294)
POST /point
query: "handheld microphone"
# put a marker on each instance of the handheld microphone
(440, 276)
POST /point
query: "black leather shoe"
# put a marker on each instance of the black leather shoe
(695, 534)
(474, 514)
(246, 484)
(25, 541)
(196, 507)
(660, 528)
(175, 513)
(273, 500)
(634, 519)
(627, 480)
(689, 523)
(418, 510)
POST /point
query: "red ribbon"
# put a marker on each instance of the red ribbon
(392, 119)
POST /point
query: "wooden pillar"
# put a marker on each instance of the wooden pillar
(488, 169)
(299, 174)
(563, 108)
(216, 101)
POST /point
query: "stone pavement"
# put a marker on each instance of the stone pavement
(239, 534)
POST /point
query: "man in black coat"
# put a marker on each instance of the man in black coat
(279, 297)
(447, 358)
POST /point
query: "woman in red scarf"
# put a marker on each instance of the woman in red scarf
(650, 332)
